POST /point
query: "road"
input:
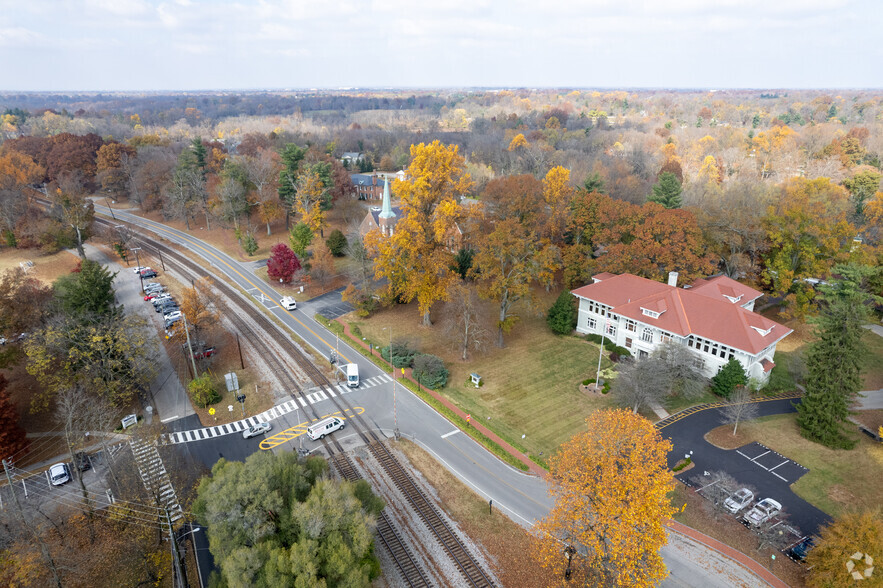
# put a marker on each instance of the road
(524, 498)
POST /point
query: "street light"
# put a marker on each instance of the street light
(138, 264)
(569, 551)
(395, 412)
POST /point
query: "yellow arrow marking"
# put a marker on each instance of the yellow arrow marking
(296, 431)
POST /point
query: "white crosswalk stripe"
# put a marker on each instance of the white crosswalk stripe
(274, 412)
(155, 477)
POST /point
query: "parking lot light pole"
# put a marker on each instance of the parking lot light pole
(138, 264)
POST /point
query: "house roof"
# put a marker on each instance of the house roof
(724, 288)
(767, 364)
(375, 213)
(364, 179)
(684, 312)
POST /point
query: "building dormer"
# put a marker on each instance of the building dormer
(733, 299)
(654, 309)
(763, 332)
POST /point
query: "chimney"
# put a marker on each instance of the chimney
(673, 279)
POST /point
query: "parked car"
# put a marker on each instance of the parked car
(288, 303)
(739, 500)
(175, 314)
(81, 461)
(148, 273)
(169, 322)
(762, 512)
(159, 299)
(153, 294)
(140, 268)
(149, 285)
(205, 353)
(168, 304)
(59, 474)
(3, 340)
(799, 550)
(256, 430)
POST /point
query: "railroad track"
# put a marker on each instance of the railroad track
(404, 560)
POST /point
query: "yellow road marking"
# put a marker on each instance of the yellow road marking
(299, 429)
(196, 243)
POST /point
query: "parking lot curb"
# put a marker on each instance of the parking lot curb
(727, 551)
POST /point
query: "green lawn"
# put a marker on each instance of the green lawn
(531, 387)
(872, 375)
(837, 479)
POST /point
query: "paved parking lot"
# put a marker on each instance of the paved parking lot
(773, 462)
(330, 305)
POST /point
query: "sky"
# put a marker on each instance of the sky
(155, 45)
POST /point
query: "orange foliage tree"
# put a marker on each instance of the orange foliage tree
(610, 486)
(417, 259)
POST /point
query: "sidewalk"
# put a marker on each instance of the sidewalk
(532, 467)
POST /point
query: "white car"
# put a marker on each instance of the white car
(138, 268)
(59, 474)
(288, 303)
(739, 500)
(762, 512)
(256, 430)
(174, 315)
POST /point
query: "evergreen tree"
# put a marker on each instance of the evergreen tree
(88, 291)
(729, 378)
(595, 183)
(291, 155)
(666, 191)
(13, 438)
(336, 243)
(835, 362)
(463, 262)
(199, 155)
(561, 317)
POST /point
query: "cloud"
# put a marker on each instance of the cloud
(19, 36)
(128, 8)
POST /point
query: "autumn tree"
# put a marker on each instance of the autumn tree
(321, 264)
(74, 210)
(610, 484)
(109, 356)
(808, 232)
(855, 538)
(13, 439)
(110, 167)
(18, 172)
(199, 305)
(190, 187)
(640, 384)
(262, 170)
(23, 301)
(310, 192)
(416, 260)
(504, 268)
(283, 263)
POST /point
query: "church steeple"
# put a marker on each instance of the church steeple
(386, 211)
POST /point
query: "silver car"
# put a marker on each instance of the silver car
(256, 430)
(739, 500)
(59, 474)
(762, 512)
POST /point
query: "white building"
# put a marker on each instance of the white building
(714, 317)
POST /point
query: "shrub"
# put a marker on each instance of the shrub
(622, 351)
(561, 317)
(588, 381)
(609, 345)
(402, 354)
(336, 243)
(594, 338)
(249, 244)
(202, 391)
(430, 371)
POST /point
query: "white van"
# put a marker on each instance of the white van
(352, 375)
(324, 427)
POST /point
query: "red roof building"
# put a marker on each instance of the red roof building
(714, 317)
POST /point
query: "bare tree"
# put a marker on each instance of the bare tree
(740, 408)
(716, 486)
(73, 412)
(465, 327)
(679, 369)
(640, 383)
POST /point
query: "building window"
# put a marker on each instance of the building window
(642, 354)
(699, 363)
(628, 343)
(664, 337)
(592, 324)
(630, 325)
(611, 330)
(647, 335)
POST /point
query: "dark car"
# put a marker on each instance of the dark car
(801, 548)
(81, 461)
(148, 273)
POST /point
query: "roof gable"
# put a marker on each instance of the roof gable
(724, 288)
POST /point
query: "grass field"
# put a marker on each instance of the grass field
(838, 480)
(531, 387)
(47, 268)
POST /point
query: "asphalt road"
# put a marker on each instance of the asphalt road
(768, 472)
(524, 498)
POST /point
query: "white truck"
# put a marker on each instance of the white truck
(352, 375)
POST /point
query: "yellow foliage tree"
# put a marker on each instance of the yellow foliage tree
(610, 486)
(307, 203)
(557, 193)
(199, 306)
(416, 259)
(856, 538)
(518, 142)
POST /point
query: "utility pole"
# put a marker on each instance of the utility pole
(138, 264)
(43, 548)
(179, 574)
(111, 209)
(189, 346)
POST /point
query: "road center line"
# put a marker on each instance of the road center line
(446, 435)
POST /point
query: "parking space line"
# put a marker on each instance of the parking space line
(778, 476)
(780, 465)
(761, 455)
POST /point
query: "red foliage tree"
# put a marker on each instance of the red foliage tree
(13, 438)
(283, 263)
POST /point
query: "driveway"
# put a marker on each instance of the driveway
(753, 464)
